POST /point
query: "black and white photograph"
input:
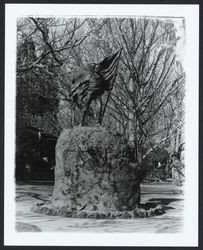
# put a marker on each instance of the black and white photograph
(102, 134)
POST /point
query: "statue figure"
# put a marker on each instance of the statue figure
(91, 81)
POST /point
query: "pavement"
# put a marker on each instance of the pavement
(164, 193)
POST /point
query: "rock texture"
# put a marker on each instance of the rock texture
(94, 177)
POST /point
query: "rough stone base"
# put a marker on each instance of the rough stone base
(93, 172)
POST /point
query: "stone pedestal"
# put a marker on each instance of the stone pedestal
(93, 177)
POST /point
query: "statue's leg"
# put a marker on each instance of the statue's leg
(83, 116)
(86, 106)
(100, 112)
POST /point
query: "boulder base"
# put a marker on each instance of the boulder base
(93, 177)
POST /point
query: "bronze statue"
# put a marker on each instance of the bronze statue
(92, 80)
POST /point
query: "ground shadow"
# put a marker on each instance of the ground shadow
(158, 201)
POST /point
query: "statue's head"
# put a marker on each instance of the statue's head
(83, 74)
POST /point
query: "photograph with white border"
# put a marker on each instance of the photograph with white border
(101, 125)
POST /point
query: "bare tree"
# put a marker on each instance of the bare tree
(149, 82)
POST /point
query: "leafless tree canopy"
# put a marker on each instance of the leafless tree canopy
(146, 104)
